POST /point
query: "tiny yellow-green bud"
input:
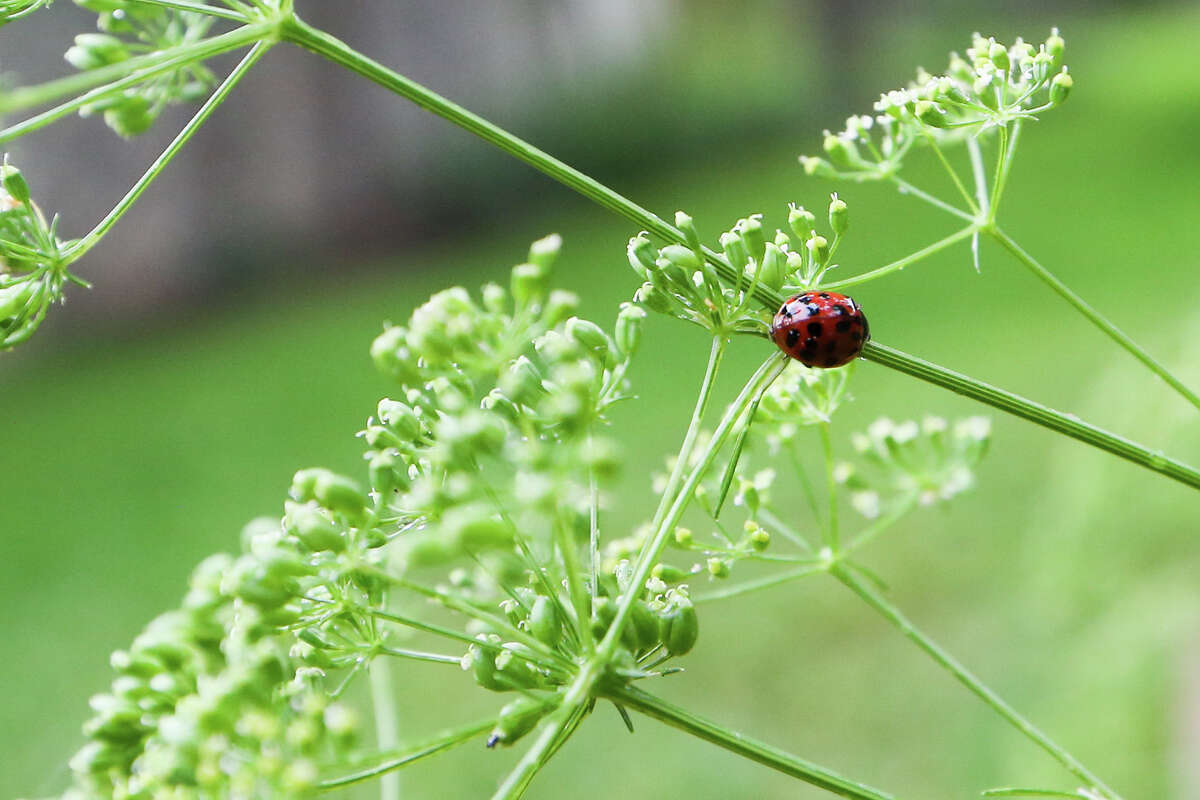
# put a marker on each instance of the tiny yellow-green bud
(1055, 46)
(641, 255)
(929, 113)
(1060, 87)
(629, 328)
(801, 221)
(544, 622)
(544, 252)
(752, 233)
(684, 537)
(760, 540)
(998, 54)
(718, 567)
(839, 215)
(734, 249)
(14, 183)
(771, 274)
(685, 223)
(819, 247)
(669, 574)
(678, 626)
(529, 283)
(339, 493)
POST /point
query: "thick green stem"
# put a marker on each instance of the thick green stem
(199, 8)
(968, 679)
(1094, 316)
(81, 247)
(742, 745)
(1018, 406)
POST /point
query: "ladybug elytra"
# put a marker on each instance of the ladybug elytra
(820, 329)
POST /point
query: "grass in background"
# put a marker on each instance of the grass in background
(1063, 580)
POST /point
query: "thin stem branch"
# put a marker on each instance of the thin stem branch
(1005, 169)
(1018, 406)
(765, 582)
(899, 264)
(968, 679)
(951, 171)
(387, 735)
(393, 761)
(1094, 316)
(81, 247)
(200, 8)
(744, 746)
(980, 175)
(830, 486)
(31, 96)
(907, 188)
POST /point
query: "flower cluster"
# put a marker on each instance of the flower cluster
(32, 274)
(923, 462)
(993, 86)
(128, 29)
(681, 280)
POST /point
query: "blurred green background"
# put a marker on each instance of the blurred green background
(1068, 580)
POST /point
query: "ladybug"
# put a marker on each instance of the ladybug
(820, 329)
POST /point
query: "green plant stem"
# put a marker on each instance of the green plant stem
(1094, 316)
(81, 247)
(1005, 167)
(38, 121)
(899, 264)
(579, 693)
(1034, 412)
(951, 171)
(981, 188)
(907, 188)
(28, 97)
(393, 761)
(830, 486)
(743, 746)
(296, 31)
(765, 582)
(383, 706)
(968, 679)
(200, 8)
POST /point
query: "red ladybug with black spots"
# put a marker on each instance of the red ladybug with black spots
(820, 329)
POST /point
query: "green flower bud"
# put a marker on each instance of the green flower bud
(1055, 47)
(653, 298)
(522, 382)
(400, 418)
(641, 255)
(983, 88)
(1060, 87)
(998, 54)
(544, 622)
(752, 234)
(682, 257)
(340, 494)
(734, 249)
(482, 663)
(839, 215)
(494, 298)
(773, 267)
(424, 549)
(131, 117)
(518, 718)
(560, 305)
(315, 530)
(94, 50)
(930, 114)
(669, 574)
(392, 357)
(684, 537)
(591, 336)
(679, 627)
(475, 532)
(544, 252)
(688, 226)
(718, 567)
(643, 623)
(629, 328)
(801, 221)
(841, 150)
(529, 284)
(14, 183)
(819, 247)
(497, 403)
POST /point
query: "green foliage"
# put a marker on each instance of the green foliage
(490, 466)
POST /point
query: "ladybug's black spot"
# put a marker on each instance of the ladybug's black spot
(824, 295)
(856, 336)
(843, 325)
(793, 336)
(813, 310)
(783, 309)
(804, 298)
(840, 310)
(831, 362)
(832, 346)
(814, 329)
